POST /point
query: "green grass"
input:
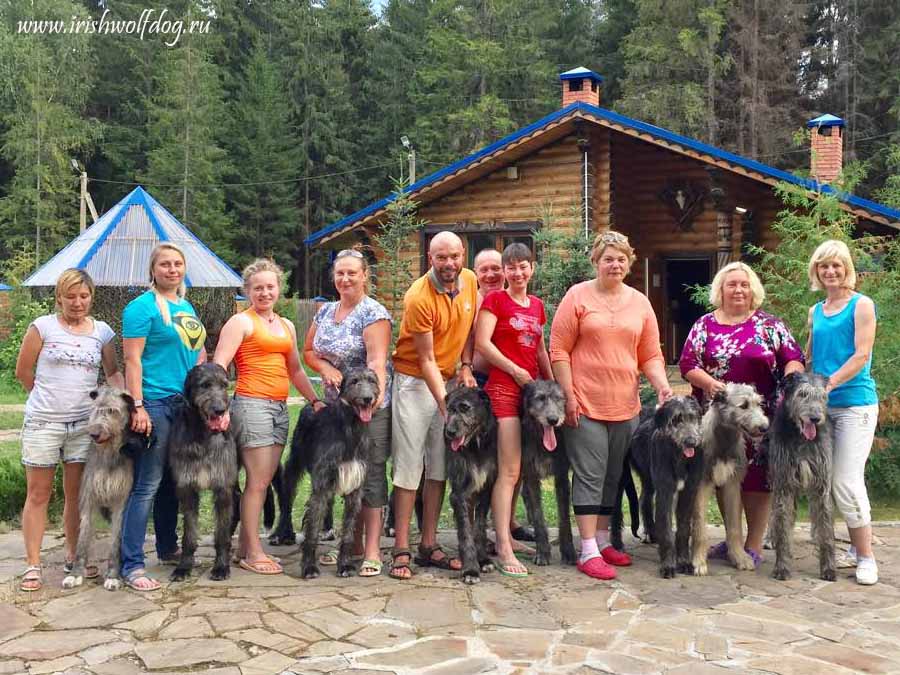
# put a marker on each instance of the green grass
(11, 419)
(12, 392)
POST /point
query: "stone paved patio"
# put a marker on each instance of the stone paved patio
(555, 621)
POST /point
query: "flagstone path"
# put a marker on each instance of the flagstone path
(555, 621)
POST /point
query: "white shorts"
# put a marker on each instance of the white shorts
(44, 444)
(417, 433)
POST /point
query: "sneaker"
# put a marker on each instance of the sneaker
(846, 559)
(616, 557)
(866, 571)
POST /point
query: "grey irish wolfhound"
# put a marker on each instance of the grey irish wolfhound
(106, 482)
(543, 453)
(333, 447)
(470, 442)
(666, 452)
(734, 414)
(800, 462)
(203, 456)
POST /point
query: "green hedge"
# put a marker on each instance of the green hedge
(13, 487)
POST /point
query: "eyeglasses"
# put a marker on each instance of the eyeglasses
(349, 252)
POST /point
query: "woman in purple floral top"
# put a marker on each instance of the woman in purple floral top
(738, 342)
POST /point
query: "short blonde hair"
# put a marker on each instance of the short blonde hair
(355, 254)
(833, 249)
(616, 240)
(756, 287)
(70, 278)
(181, 291)
(261, 265)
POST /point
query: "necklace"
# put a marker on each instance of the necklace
(75, 327)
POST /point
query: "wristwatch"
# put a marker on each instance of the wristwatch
(138, 403)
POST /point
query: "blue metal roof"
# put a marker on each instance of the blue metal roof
(581, 73)
(116, 249)
(628, 122)
(825, 120)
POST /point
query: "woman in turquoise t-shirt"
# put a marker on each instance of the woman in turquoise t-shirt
(842, 335)
(162, 339)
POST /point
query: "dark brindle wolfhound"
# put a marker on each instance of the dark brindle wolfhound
(204, 456)
(107, 479)
(543, 410)
(735, 413)
(665, 450)
(800, 462)
(333, 447)
(470, 439)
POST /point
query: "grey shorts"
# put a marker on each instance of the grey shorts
(375, 486)
(262, 421)
(417, 433)
(44, 444)
(597, 452)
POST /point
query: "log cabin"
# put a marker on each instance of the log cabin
(687, 207)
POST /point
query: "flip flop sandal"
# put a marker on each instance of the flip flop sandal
(236, 560)
(398, 553)
(523, 533)
(266, 566)
(718, 552)
(32, 579)
(426, 559)
(370, 568)
(134, 578)
(506, 569)
(90, 571)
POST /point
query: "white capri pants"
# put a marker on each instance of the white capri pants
(854, 431)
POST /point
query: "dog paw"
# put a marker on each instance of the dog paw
(179, 574)
(667, 571)
(568, 556)
(744, 562)
(282, 539)
(828, 575)
(471, 577)
(220, 573)
(72, 581)
(541, 559)
(685, 568)
(700, 568)
(781, 573)
(487, 566)
(112, 584)
(310, 572)
(346, 571)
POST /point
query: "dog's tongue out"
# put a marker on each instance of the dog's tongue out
(809, 431)
(549, 438)
(218, 423)
(688, 452)
(457, 443)
(365, 414)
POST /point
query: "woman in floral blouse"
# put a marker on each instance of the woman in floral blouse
(738, 342)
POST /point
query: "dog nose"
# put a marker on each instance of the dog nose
(553, 421)
(218, 410)
(815, 419)
(367, 400)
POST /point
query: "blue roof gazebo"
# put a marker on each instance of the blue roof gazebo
(115, 250)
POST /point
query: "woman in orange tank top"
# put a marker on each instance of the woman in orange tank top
(263, 347)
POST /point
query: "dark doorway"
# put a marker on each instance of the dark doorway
(681, 274)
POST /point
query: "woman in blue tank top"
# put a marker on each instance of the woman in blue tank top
(842, 335)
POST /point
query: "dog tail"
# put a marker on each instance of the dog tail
(106, 513)
(269, 509)
(631, 492)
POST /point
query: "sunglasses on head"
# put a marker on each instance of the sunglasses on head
(349, 252)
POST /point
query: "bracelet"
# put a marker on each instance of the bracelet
(315, 400)
(466, 364)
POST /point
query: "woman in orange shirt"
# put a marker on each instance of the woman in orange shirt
(264, 349)
(603, 334)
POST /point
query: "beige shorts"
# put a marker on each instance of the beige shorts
(263, 422)
(417, 433)
(44, 444)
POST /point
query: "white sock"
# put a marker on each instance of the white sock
(589, 549)
(602, 538)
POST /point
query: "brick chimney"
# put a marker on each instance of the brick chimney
(826, 147)
(580, 84)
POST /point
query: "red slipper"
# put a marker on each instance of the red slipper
(597, 568)
(616, 557)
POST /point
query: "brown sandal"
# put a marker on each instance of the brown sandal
(426, 558)
(397, 566)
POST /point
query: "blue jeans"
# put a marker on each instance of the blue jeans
(153, 486)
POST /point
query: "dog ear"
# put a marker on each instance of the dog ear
(94, 394)
(129, 401)
(792, 380)
(662, 415)
(187, 383)
(720, 396)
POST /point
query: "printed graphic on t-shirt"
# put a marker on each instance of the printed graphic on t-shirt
(529, 329)
(190, 330)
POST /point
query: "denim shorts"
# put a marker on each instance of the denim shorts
(44, 444)
(262, 421)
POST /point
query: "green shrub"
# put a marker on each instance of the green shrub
(13, 489)
(883, 467)
(22, 311)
